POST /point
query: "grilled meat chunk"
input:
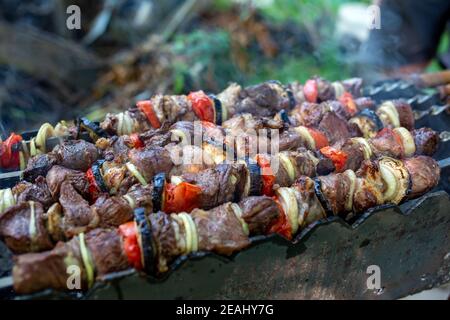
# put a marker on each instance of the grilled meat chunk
(23, 228)
(151, 161)
(263, 99)
(112, 211)
(37, 191)
(72, 154)
(38, 271)
(78, 216)
(106, 249)
(335, 128)
(309, 114)
(58, 174)
(405, 114)
(39, 166)
(76, 154)
(355, 155)
(164, 230)
(386, 143)
(219, 230)
(310, 208)
(325, 90)
(259, 212)
(424, 173)
(224, 183)
(426, 141)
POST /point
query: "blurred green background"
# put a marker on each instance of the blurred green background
(128, 50)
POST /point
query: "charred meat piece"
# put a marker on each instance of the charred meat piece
(72, 154)
(164, 230)
(58, 174)
(337, 188)
(405, 114)
(366, 195)
(258, 213)
(76, 154)
(38, 271)
(112, 211)
(37, 191)
(365, 103)
(151, 161)
(230, 97)
(309, 114)
(263, 99)
(325, 90)
(355, 154)
(386, 143)
(424, 173)
(23, 228)
(353, 85)
(224, 183)
(426, 141)
(39, 166)
(310, 208)
(78, 216)
(335, 128)
(219, 230)
(106, 249)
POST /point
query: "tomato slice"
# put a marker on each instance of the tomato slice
(182, 197)
(93, 188)
(136, 141)
(319, 138)
(128, 231)
(268, 179)
(311, 91)
(146, 108)
(347, 100)
(202, 105)
(282, 225)
(10, 159)
(338, 157)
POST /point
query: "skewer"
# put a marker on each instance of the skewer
(6, 283)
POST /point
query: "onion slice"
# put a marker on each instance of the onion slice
(396, 179)
(287, 164)
(134, 171)
(304, 133)
(407, 140)
(367, 150)
(87, 261)
(190, 231)
(388, 112)
(45, 131)
(290, 207)
(238, 212)
(349, 202)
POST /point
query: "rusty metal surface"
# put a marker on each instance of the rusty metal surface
(329, 260)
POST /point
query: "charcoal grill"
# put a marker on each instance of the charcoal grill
(328, 260)
(410, 244)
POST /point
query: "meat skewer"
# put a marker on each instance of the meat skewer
(264, 99)
(151, 243)
(145, 164)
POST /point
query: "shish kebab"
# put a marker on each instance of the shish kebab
(263, 99)
(151, 242)
(145, 163)
(367, 120)
(398, 143)
(328, 129)
(204, 190)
